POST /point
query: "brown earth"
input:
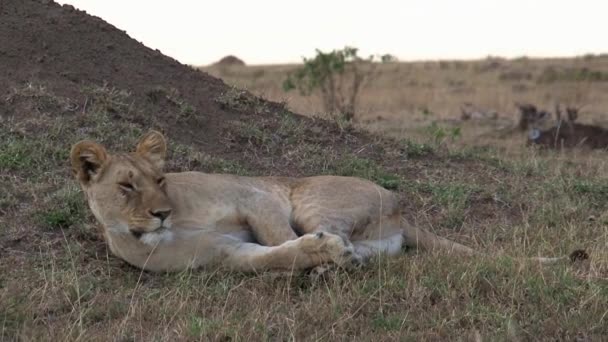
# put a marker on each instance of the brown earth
(65, 50)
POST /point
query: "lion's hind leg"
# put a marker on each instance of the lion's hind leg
(269, 222)
(368, 240)
(390, 245)
(305, 252)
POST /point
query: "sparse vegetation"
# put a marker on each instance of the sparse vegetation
(59, 281)
(365, 168)
(553, 74)
(440, 134)
(65, 209)
(415, 150)
(338, 75)
(444, 193)
(172, 96)
(595, 191)
(108, 99)
(454, 199)
(242, 101)
(392, 103)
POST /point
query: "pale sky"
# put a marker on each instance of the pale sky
(282, 31)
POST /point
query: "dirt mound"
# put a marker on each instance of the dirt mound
(230, 60)
(69, 52)
(65, 49)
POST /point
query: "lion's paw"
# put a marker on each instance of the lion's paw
(332, 247)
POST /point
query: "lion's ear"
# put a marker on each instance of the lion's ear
(153, 146)
(87, 158)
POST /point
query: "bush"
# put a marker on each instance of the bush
(339, 75)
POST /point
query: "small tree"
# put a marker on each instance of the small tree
(339, 75)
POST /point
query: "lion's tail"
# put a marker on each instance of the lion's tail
(423, 239)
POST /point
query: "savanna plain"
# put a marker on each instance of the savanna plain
(474, 181)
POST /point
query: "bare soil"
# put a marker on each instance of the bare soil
(65, 49)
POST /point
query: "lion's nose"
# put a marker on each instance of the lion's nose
(161, 214)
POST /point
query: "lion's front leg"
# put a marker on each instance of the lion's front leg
(304, 252)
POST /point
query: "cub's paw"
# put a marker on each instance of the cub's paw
(331, 248)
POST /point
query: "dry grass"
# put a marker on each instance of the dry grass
(405, 97)
(403, 89)
(58, 280)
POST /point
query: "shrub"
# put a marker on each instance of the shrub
(339, 75)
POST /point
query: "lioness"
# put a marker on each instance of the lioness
(173, 221)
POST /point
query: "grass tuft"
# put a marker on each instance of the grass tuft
(368, 169)
(66, 208)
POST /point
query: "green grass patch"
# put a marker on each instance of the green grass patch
(453, 198)
(594, 190)
(368, 169)
(439, 134)
(387, 322)
(16, 155)
(417, 150)
(29, 156)
(64, 209)
(199, 327)
(185, 158)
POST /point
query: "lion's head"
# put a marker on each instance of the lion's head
(126, 192)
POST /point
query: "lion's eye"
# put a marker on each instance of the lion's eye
(126, 186)
(160, 181)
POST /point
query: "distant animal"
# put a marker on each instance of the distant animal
(531, 117)
(566, 133)
(174, 221)
(470, 112)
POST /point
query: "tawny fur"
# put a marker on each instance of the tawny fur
(174, 221)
